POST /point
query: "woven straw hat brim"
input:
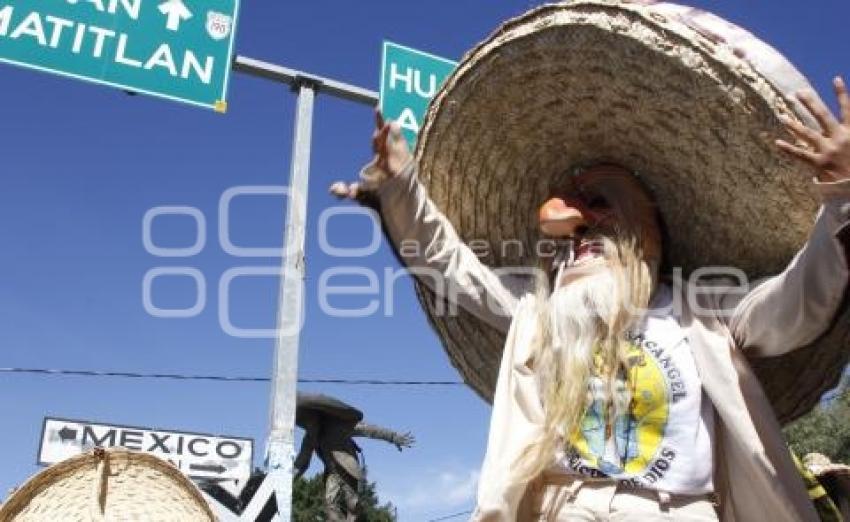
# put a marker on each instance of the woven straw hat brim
(134, 486)
(819, 464)
(637, 85)
(326, 405)
(835, 470)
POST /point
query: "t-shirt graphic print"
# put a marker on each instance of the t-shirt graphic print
(657, 431)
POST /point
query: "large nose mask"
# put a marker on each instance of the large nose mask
(566, 220)
(566, 217)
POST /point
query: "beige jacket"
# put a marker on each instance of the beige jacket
(754, 474)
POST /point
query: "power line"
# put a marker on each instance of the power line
(447, 517)
(219, 378)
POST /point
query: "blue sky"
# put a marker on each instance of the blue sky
(82, 164)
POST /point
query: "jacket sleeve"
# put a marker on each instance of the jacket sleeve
(428, 244)
(517, 421)
(792, 309)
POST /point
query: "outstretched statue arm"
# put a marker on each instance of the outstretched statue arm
(399, 440)
(425, 240)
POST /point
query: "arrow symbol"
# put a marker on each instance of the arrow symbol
(176, 11)
(67, 433)
(216, 468)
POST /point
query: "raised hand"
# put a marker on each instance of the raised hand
(828, 150)
(391, 150)
(405, 440)
(391, 155)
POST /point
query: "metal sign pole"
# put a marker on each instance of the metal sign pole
(280, 448)
(281, 443)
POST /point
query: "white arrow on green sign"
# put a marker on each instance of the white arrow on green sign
(409, 79)
(175, 49)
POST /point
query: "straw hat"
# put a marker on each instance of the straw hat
(821, 465)
(834, 477)
(318, 403)
(113, 484)
(685, 99)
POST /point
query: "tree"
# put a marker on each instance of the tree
(308, 502)
(825, 430)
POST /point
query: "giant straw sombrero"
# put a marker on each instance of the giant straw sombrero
(108, 485)
(684, 98)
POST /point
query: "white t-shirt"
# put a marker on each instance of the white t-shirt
(660, 437)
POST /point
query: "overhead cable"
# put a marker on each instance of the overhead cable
(448, 517)
(220, 378)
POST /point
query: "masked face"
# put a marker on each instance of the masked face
(605, 202)
(598, 298)
(600, 283)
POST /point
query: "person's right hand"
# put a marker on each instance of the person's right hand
(392, 154)
(389, 145)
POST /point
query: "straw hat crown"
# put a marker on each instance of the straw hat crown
(108, 485)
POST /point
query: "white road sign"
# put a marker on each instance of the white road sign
(198, 455)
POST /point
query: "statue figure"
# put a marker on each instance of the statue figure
(330, 426)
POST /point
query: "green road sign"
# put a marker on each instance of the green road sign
(409, 79)
(176, 49)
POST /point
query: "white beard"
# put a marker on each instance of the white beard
(577, 318)
(579, 309)
(577, 314)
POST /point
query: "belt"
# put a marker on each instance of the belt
(572, 483)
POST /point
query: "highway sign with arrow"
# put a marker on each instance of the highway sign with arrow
(217, 469)
(67, 434)
(176, 11)
(198, 455)
(176, 49)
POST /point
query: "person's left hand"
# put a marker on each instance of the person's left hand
(405, 441)
(828, 150)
